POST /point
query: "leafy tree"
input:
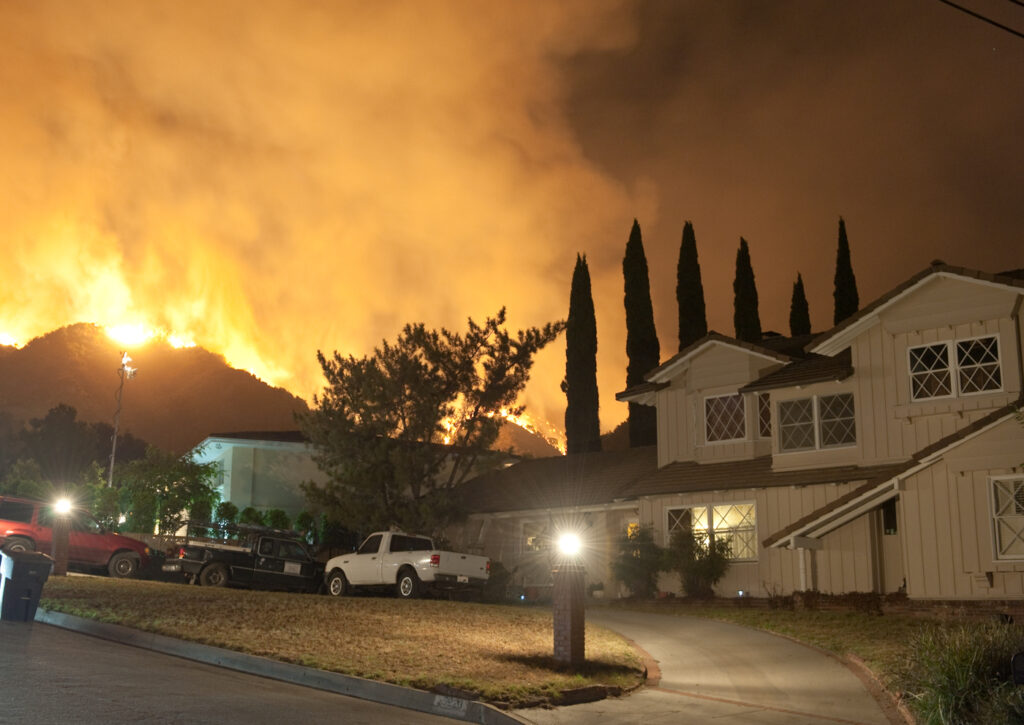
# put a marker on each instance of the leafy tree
(252, 516)
(582, 425)
(799, 314)
(380, 426)
(642, 349)
(700, 561)
(105, 505)
(745, 315)
(306, 524)
(62, 446)
(845, 293)
(637, 561)
(162, 487)
(693, 322)
(25, 478)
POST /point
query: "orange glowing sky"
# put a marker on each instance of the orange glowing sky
(268, 179)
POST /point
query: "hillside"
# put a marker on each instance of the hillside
(177, 398)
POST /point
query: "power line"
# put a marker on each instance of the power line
(981, 17)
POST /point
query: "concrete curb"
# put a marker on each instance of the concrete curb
(384, 693)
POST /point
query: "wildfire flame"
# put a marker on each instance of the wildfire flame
(536, 426)
(138, 334)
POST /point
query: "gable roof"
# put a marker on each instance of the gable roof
(884, 486)
(580, 479)
(276, 436)
(839, 337)
(661, 375)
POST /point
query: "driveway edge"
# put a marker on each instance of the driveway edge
(384, 693)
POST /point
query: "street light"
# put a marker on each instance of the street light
(126, 372)
(569, 613)
(61, 526)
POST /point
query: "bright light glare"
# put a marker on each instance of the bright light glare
(133, 335)
(62, 506)
(569, 544)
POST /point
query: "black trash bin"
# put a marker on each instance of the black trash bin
(22, 575)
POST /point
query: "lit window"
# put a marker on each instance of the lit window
(725, 418)
(825, 421)
(735, 522)
(1008, 517)
(535, 537)
(947, 369)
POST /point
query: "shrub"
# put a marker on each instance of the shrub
(250, 515)
(700, 561)
(277, 519)
(495, 589)
(638, 560)
(962, 674)
(226, 513)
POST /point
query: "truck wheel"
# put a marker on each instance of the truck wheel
(17, 543)
(408, 585)
(215, 575)
(123, 565)
(337, 584)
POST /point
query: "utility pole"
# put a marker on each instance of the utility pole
(125, 372)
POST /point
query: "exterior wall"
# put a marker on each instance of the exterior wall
(947, 518)
(847, 562)
(822, 457)
(892, 427)
(719, 370)
(264, 475)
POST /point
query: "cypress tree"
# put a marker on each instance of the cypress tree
(799, 314)
(693, 321)
(845, 292)
(582, 426)
(745, 316)
(642, 349)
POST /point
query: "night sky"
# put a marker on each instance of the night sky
(272, 178)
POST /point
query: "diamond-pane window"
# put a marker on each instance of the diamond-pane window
(764, 415)
(796, 425)
(930, 375)
(725, 418)
(1008, 517)
(835, 414)
(978, 363)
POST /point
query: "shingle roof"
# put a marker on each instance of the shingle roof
(580, 479)
(884, 476)
(815, 369)
(690, 476)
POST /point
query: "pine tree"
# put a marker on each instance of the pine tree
(847, 301)
(799, 314)
(642, 349)
(693, 321)
(582, 426)
(745, 315)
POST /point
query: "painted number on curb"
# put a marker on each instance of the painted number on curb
(450, 705)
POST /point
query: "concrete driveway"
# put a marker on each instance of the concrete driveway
(712, 671)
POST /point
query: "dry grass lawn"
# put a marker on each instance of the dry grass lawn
(500, 653)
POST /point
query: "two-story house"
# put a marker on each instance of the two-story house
(883, 455)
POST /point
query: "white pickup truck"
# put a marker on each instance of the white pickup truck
(408, 563)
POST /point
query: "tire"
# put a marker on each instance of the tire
(215, 575)
(123, 565)
(408, 584)
(17, 543)
(337, 584)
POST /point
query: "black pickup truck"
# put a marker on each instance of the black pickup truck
(241, 555)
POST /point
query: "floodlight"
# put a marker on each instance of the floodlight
(62, 506)
(569, 543)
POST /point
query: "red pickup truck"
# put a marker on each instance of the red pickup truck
(25, 525)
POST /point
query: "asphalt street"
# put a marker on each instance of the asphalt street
(51, 675)
(722, 673)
